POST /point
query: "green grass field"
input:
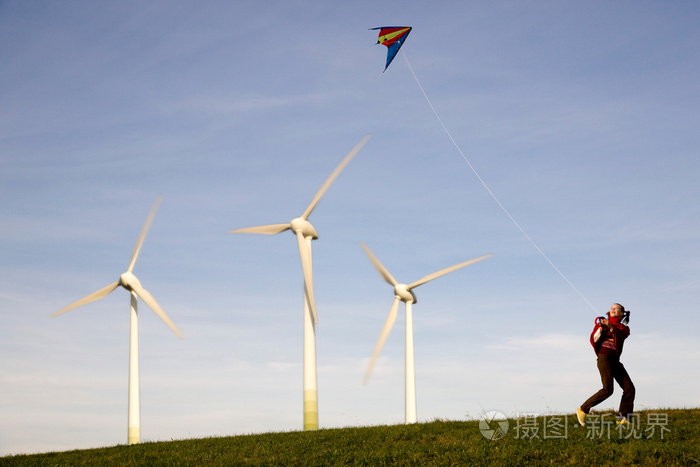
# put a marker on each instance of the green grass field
(658, 437)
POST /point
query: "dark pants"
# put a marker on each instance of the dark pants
(610, 368)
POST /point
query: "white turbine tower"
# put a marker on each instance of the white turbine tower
(305, 233)
(405, 294)
(129, 281)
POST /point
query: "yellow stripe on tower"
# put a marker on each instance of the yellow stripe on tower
(134, 435)
(310, 410)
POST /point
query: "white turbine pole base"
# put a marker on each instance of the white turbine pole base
(310, 389)
(134, 421)
(410, 368)
(310, 380)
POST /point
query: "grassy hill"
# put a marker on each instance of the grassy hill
(658, 437)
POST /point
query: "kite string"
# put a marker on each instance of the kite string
(483, 183)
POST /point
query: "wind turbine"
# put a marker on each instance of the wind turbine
(404, 293)
(305, 233)
(131, 283)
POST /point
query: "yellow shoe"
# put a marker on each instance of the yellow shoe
(621, 420)
(581, 415)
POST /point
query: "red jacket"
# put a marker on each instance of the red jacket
(620, 332)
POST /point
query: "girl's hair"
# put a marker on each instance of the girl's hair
(625, 314)
(622, 309)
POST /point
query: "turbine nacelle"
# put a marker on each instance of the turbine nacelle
(404, 293)
(300, 224)
(130, 282)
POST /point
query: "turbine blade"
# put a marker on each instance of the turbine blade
(380, 267)
(271, 229)
(442, 272)
(148, 299)
(388, 324)
(305, 254)
(329, 181)
(103, 292)
(144, 231)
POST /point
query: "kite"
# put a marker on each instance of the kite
(393, 37)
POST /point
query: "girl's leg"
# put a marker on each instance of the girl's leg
(605, 367)
(628, 390)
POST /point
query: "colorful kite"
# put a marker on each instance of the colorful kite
(393, 37)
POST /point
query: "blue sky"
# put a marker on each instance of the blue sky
(582, 119)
